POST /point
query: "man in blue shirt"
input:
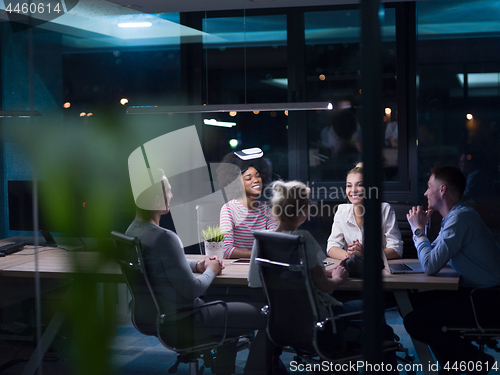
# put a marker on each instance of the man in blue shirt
(466, 243)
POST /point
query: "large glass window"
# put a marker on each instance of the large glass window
(459, 96)
(333, 74)
(246, 62)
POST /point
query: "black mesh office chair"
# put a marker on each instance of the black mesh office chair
(292, 311)
(147, 316)
(483, 332)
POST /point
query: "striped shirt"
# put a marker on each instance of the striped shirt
(239, 223)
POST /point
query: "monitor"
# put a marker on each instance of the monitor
(56, 212)
(69, 210)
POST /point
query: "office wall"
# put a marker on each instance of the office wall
(22, 136)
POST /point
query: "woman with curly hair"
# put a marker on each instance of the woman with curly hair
(241, 216)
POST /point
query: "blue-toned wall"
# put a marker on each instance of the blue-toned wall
(22, 136)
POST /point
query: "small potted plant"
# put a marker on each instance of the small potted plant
(214, 241)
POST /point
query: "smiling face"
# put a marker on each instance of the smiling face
(252, 182)
(433, 193)
(354, 188)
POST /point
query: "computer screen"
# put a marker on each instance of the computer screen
(56, 212)
(69, 210)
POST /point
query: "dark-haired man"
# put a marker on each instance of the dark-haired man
(466, 243)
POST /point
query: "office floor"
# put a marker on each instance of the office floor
(136, 354)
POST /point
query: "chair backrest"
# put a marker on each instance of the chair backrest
(147, 314)
(144, 306)
(208, 214)
(287, 283)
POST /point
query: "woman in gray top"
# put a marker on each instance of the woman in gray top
(180, 283)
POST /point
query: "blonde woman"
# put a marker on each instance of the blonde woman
(290, 207)
(346, 238)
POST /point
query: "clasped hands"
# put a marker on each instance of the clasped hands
(214, 263)
(418, 218)
(338, 273)
(355, 248)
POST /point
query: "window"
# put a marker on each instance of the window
(246, 62)
(459, 97)
(333, 74)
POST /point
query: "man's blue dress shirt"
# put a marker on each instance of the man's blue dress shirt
(467, 244)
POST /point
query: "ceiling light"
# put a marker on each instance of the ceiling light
(219, 123)
(269, 107)
(19, 113)
(134, 24)
(276, 82)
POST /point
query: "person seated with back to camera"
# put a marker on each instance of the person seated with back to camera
(241, 216)
(346, 238)
(179, 284)
(466, 243)
(290, 206)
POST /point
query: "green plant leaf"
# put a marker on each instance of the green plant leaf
(213, 234)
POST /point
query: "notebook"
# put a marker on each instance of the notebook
(408, 267)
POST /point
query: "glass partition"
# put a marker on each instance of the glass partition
(459, 96)
(333, 74)
(246, 62)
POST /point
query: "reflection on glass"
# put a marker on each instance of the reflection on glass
(333, 62)
(246, 62)
(459, 96)
(390, 148)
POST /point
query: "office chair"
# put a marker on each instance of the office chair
(208, 214)
(482, 333)
(147, 316)
(292, 310)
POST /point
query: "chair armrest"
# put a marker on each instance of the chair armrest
(272, 263)
(321, 324)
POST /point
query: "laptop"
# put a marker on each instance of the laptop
(408, 267)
